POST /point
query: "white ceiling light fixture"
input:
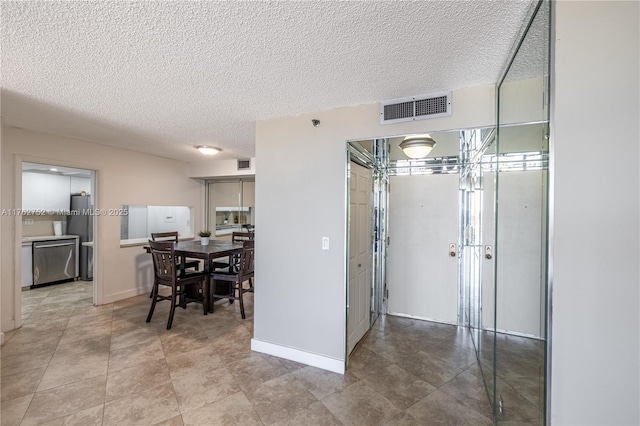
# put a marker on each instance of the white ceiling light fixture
(417, 146)
(208, 150)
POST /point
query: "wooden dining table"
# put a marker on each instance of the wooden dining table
(214, 250)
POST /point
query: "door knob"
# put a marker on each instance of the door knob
(453, 250)
(487, 252)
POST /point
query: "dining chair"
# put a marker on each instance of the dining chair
(242, 236)
(238, 237)
(166, 273)
(236, 280)
(173, 236)
(232, 263)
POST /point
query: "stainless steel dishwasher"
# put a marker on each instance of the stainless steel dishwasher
(54, 261)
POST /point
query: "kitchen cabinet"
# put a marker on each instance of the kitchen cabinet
(27, 261)
(45, 192)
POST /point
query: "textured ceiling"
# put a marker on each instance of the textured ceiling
(162, 77)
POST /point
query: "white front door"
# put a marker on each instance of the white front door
(422, 276)
(360, 240)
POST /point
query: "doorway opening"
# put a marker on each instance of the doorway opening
(434, 245)
(399, 251)
(57, 234)
(367, 192)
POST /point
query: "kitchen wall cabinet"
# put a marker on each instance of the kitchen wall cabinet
(45, 192)
(79, 184)
(141, 221)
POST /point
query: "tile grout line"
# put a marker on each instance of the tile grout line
(48, 362)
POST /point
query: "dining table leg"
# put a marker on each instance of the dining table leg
(206, 286)
(205, 294)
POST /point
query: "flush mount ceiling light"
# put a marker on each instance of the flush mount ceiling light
(208, 150)
(417, 146)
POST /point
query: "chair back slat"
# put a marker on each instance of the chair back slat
(164, 262)
(165, 269)
(246, 260)
(238, 237)
(165, 236)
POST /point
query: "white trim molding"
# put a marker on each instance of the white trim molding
(398, 314)
(116, 297)
(320, 361)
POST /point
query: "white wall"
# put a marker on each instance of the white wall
(79, 184)
(219, 168)
(2, 233)
(519, 253)
(596, 241)
(527, 94)
(123, 177)
(520, 281)
(300, 303)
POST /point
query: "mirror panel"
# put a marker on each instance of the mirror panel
(523, 91)
(477, 191)
(231, 206)
(519, 298)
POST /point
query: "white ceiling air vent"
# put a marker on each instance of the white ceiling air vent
(244, 164)
(415, 108)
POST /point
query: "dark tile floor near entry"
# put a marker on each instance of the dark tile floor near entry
(76, 364)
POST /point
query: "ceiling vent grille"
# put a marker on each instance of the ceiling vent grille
(244, 164)
(415, 108)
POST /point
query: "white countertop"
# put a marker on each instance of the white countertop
(228, 229)
(48, 238)
(133, 242)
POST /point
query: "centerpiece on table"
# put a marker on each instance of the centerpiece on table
(204, 237)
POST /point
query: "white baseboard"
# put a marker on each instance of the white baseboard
(124, 295)
(308, 358)
(515, 333)
(9, 325)
(398, 314)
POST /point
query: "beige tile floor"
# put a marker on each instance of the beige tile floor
(76, 364)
